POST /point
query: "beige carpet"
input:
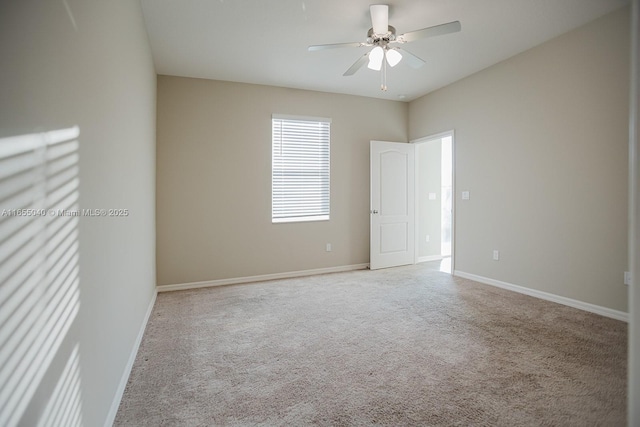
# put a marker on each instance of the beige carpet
(403, 346)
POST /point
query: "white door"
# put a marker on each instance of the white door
(392, 204)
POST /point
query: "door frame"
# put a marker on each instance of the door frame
(422, 140)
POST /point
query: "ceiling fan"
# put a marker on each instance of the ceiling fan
(382, 36)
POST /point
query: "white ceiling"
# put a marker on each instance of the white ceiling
(265, 41)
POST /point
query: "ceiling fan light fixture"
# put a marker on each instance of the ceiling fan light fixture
(393, 57)
(376, 56)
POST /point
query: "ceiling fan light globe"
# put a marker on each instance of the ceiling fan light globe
(393, 57)
(376, 56)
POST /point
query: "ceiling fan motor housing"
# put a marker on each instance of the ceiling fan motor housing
(378, 39)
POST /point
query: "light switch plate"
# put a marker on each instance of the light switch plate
(465, 195)
(432, 196)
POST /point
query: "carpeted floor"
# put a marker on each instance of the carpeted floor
(394, 347)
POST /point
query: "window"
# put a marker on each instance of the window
(300, 169)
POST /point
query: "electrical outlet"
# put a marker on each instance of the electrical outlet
(627, 278)
(496, 255)
(465, 195)
(328, 247)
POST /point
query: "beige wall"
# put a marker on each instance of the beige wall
(633, 394)
(214, 179)
(88, 64)
(541, 144)
(429, 211)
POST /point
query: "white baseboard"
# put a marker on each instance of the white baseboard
(597, 309)
(113, 411)
(260, 278)
(430, 258)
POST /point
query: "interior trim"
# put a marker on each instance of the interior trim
(597, 309)
(113, 411)
(259, 278)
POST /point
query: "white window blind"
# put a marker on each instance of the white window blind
(300, 169)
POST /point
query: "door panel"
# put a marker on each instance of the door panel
(392, 204)
(393, 184)
(393, 238)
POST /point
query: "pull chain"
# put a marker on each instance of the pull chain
(383, 85)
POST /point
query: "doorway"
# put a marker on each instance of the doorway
(434, 229)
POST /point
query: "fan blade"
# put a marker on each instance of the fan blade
(379, 18)
(334, 46)
(412, 60)
(357, 65)
(436, 30)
